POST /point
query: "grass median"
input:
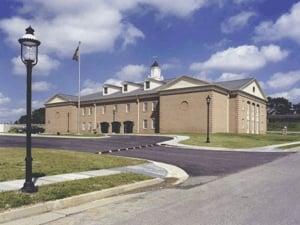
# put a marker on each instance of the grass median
(52, 162)
(13, 199)
(240, 140)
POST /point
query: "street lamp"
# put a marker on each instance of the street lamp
(208, 99)
(29, 56)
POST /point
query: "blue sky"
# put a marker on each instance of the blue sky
(208, 39)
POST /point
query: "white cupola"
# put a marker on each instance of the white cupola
(155, 72)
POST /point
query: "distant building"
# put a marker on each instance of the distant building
(162, 106)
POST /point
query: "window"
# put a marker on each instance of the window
(147, 84)
(105, 90)
(145, 125)
(145, 106)
(83, 126)
(125, 87)
(153, 124)
(89, 126)
(83, 111)
(128, 108)
(154, 104)
(253, 89)
(116, 108)
(90, 111)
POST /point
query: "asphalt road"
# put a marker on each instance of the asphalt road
(203, 162)
(264, 195)
(88, 145)
(194, 162)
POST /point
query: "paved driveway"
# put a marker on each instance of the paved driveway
(89, 145)
(194, 162)
(203, 162)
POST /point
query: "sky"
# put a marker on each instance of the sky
(212, 40)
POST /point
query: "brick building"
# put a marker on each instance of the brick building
(162, 106)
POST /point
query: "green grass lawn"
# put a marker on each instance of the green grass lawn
(278, 126)
(51, 162)
(13, 199)
(240, 140)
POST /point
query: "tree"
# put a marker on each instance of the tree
(38, 117)
(279, 106)
(297, 108)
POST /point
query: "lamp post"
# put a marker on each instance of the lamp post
(29, 56)
(208, 99)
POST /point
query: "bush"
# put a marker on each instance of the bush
(13, 130)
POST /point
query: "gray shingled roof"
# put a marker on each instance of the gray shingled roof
(230, 85)
(234, 84)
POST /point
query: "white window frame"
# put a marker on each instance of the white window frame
(145, 124)
(128, 107)
(147, 82)
(154, 104)
(145, 106)
(152, 124)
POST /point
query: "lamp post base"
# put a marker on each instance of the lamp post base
(29, 187)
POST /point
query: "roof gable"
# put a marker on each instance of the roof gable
(56, 99)
(253, 88)
(184, 82)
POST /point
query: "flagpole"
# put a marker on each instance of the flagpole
(79, 89)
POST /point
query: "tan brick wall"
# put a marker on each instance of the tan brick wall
(242, 122)
(121, 115)
(181, 113)
(57, 119)
(233, 116)
(220, 113)
(175, 113)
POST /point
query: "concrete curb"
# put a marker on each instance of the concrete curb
(173, 171)
(40, 208)
(270, 148)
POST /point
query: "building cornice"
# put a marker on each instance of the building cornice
(245, 94)
(204, 88)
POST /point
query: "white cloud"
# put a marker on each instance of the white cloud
(43, 68)
(131, 34)
(99, 25)
(132, 73)
(237, 22)
(9, 114)
(293, 95)
(242, 58)
(90, 86)
(231, 76)
(286, 26)
(284, 80)
(205, 76)
(4, 99)
(41, 86)
(36, 104)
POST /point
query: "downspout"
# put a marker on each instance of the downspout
(95, 116)
(138, 114)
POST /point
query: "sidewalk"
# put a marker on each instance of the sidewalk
(152, 169)
(175, 142)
